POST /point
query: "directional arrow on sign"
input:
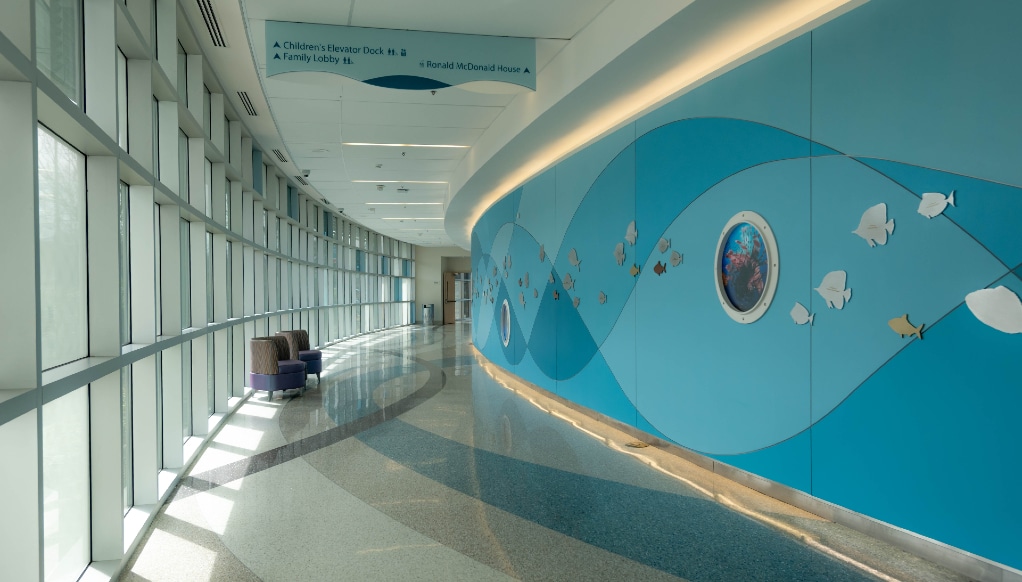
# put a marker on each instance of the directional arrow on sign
(276, 57)
(276, 45)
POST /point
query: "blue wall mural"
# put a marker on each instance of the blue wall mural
(893, 101)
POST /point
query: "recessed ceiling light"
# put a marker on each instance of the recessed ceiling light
(404, 145)
(398, 182)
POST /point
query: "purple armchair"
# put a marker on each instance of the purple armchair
(272, 366)
(298, 343)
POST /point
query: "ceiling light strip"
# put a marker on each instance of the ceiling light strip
(404, 145)
(406, 218)
(398, 182)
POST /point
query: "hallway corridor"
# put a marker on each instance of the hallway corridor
(412, 462)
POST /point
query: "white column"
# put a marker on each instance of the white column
(170, 269)
(101, 64)
(173, 418)
(143, 420)
(105, 468)
(104, 265)
(143, 268)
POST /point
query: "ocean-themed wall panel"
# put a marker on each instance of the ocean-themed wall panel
(869, 382)
(924, 82)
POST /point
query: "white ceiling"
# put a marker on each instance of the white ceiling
(315, 112)
(599, 64)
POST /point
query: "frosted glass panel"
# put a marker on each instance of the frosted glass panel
(66, 542)
(63, 274)
(59, 45)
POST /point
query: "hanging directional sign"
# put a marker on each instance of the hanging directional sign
(399, 59)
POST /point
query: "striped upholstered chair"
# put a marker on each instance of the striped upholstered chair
(272, 366)
(298, 342)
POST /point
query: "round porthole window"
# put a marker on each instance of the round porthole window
(746, 268)
(505, 323)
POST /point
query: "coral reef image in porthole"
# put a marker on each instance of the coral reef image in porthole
(746, 268)
(505, 323)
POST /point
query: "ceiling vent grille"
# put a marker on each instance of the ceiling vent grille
(245, 101)
(280, 156)
(212, 23)
(301, 181)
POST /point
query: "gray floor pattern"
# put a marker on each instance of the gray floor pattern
(411, 461)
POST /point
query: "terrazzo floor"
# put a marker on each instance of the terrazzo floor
(410, 461)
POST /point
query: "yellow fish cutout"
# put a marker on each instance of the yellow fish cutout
(634, 270)
(902, 327)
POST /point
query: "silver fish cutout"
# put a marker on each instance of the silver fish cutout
(934, 203)
(833, 291)
(535, 292)
(526, 279)
(663, 245)
(602, 297)
(542, 253)
(573, 259)
(575, 302)
(521, 298)
(619, 254)
(874, 226)
(568, 282)
(631, 234)
(800, 315)
(676, 258)
(551, 277)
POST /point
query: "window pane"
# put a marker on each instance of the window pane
(156, 138)
(58, 29)
(186, 276)
(124, 234)
(66, 541)
(182, 166)
(63, 268)
(122, 100)
(127, 495)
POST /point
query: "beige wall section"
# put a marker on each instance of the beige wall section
(429, 267)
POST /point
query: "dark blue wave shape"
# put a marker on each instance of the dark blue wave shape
(409, 82)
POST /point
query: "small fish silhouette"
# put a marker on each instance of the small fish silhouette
(634, 270)
(535, 292)
(505, 261)
(664, 244)
(659, 268)
(602, 298)
(619, 254)
(874, 226)
(800, 315)
(833, 291)
(521, 298)
(551, 277)
(556, 295)
(902, 327)
(631, 234)
(495, 271)
(519, 281)
(568, 282)
(526, 279)
(933, 203)
(575, 302)
(542, 253)
(505, 274)
(676, 258)
(573, 259)
(999, 308)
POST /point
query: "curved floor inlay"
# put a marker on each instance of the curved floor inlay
(418, 464)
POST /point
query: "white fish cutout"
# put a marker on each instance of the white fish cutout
(800, 315)
(663, 245)
(874, 226)
(551, 277)
(526, 279)
(933, 203)
(542, 253)
(575, 302)
(602, 298)
(521, 298)
(495, 271)
(535, 292)
(568, 283)
(677, 258)
(999, 308)
(619, 254)
(631, 234)
(573, 259)
(833, 291)
(509, 261)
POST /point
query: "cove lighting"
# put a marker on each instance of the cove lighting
(405, 203)
(404, 145)
(420, 218)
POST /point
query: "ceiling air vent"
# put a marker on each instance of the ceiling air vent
(212, 24)
(279, 155)
(301, 180)
(247, 103)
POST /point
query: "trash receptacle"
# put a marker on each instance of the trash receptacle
(427, 314)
